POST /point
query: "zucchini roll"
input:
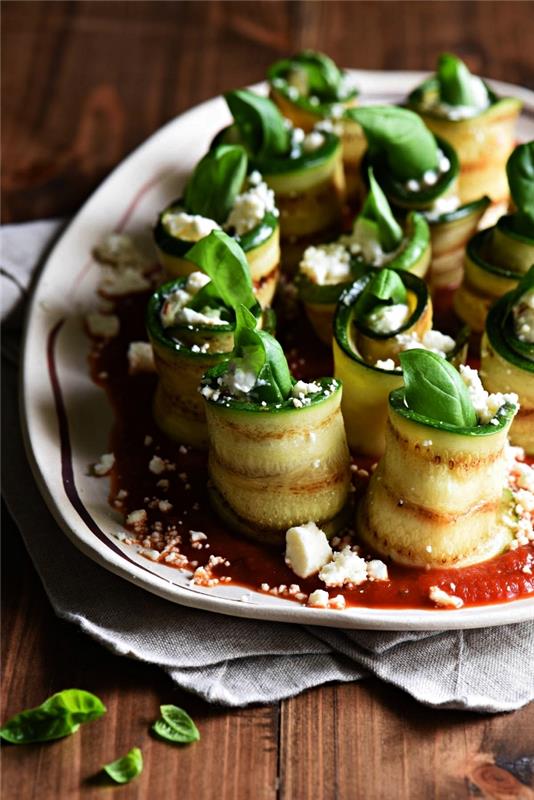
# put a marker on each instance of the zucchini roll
(419, 171)
(376, 240)
(438, 497)
(310, 89)
(191, 323)
(220, 195)
(507, 356)
(278, 454)
(498, 257)
(305, 171)
(380, 315)
(462, 109)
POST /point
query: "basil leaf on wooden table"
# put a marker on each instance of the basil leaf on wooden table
(216, 181)
(59, 716)
(125, 769)
(260, 123)
(520, 172)
(377, 212)
(176, 726)
(455, 81)
(434, 389)
(401, 136)
(220, 257)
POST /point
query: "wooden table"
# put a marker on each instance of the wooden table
(83, 84)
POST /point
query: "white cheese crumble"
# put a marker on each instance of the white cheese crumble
(432, 340)
(338, 602)
(137, 518)
(140, 358)
(318, 599)
(175, 311)
(377, 570)
(189, 227)
(156, 465)
(444, 599)
(345, 567)
(196, 281)
(523, 313)
(105, 326)
(119, 250)
(326, 264)
(387, 319)
(486, 405)
(104, 465)
(387, 363)
(307, 549)
(251, 206)
(313, 141)
(115, 283)
(303, 388)
(237, 380)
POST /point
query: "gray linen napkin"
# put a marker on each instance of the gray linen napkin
(224, 659)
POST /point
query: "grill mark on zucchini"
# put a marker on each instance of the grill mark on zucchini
(297, 487)
(467, 461)
(257, 436)
(439, 517)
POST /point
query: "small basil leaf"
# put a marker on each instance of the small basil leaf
(220, 257)
(376, 209)
(384, 288)
(520, 172)
(455, 81)
(323, 77)
(59, 715)
(401, 136)
(216, 182)
(176, 725)
(435, 389)
(260, 123)
(125, 769)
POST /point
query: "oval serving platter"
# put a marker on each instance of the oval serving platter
(67, 419)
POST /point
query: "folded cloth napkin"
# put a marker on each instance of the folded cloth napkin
(224, 659)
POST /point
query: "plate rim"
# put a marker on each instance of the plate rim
(360, 617)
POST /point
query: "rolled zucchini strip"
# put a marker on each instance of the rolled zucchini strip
(325, 271)
(419, 171)
(357, 349)
(463, 110)
(437, 493)
(309, 89)
(507, 356)
(304, 171)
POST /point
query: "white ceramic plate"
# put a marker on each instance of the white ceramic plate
(67, 418)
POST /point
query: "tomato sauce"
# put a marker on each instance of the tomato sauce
(135, 439)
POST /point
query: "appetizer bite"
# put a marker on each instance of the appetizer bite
(376, 240)
(438, 496)
(305, 171)
(497, 257)
(220, 195)
(309, 88)
(382, 314)
(507, 356)
(278, 454)
(418, 171)
(462, 109)
(191, 324)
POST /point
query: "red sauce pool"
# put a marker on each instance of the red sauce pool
(251, 564)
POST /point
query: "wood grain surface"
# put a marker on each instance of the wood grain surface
(83, 83)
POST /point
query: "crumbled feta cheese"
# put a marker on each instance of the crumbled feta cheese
(387, 319)
(104, 465)
(443, 599)
(313, 141)
(303, 388)
(338, 602)
(326, 264)
(486, 405)
(164, 505)
(345, 567)
(189, 227)
(377, 570)
(297, 136)
(127, 281)
(307, 549)
(196, 281)
(523, 313)
(156, 465)
(432, 340)
(105, 326)
(197, 536)
(250, 208)
(318, 599)
(118, 250)
(208, 316)
(137, 518)
(387, 363)
(237, 380)
(140, 358)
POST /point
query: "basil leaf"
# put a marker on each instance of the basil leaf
(323, 77)
(455, 81)
(435, 389)
(384, 288)
(59, 715)
(176, 726)
(520, 172)
(400, 136)
(216, 182)
(376, 209)
(220, 257)
(125, 769)
(526, 284)
(260, 123)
